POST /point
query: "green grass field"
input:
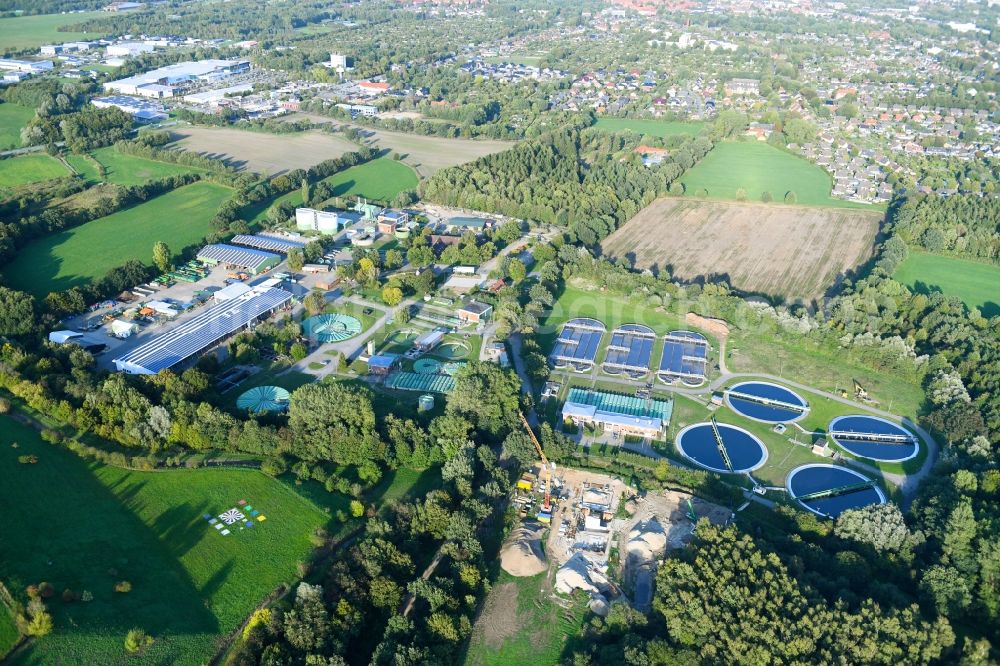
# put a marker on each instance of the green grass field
(73, 257)
(86, 166)
(758, 168)
(190, 583)
(25, 32)
(975, 283)
(660, 128)
(123, 169)
(528, 629)
(8, 632)
(12, 118)
(32, 168)
(379, 180)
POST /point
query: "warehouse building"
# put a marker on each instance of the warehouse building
(254, 261)
(165, 81)
(202, 331)
(144, 110)
(268, 243)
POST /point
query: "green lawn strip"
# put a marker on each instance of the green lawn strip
(180, 218)
(23, 32)
(31, 168)
(86, 166)
(379, 180)
(660, 128)
(757, 168)
(973, 282)
(190, 583)
(541, 627)
(125, 169)
(13, 117)
(9, 635)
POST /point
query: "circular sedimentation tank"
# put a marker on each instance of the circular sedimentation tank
(766, 402)
(331, 327)
(698, 443)
(452, 350)
(829, 490)
(873, 437)
(427, 366)
(264, 399)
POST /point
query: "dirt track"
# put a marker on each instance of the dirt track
(796, 252)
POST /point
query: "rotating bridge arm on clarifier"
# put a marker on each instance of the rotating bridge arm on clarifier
(767, 402)
(836, 492)
(878, 438)
(722, 447)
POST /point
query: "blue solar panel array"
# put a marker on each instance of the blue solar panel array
(630, 348)
(211, 325)
(685, 355)
(267, 243)
(578, 341)
(238, 256)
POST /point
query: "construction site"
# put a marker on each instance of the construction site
(593, 532)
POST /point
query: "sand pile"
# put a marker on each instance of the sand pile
(579, 573)
(522, 554)
(646, 542)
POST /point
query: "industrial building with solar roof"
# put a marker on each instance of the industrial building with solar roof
(624, 414)
(202, 331)
(254, 261)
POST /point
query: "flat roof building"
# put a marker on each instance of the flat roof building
(270, 243)
(202, 331)
(619, 413)
(255, 261)
(144, 110)
(474, 312)
(162, 81)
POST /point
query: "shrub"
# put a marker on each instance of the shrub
(4, 405)
(123, 586)
(45, 590)
(69, 596)
(137, 639)
(260, 617)
(87, 596)
(29, 459)
(39, 625)
(273, 466)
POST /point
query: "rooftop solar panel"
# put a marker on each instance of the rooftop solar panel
(212, 324)
(267, 243)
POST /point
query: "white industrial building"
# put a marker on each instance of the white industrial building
(214, 97)
(202, 331)
(144, 110)
(28, 66)
(128, 49)
(164, 81)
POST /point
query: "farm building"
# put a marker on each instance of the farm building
(474, 312)
(234, 290)
(621, 414)
(382, 364)
(255, 261)
(202, 331)
(79, 339)
(269, 243)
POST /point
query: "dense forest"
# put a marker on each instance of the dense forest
(963, 226)
(587, 181)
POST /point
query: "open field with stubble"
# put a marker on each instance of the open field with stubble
(794, 252)
(259, 151)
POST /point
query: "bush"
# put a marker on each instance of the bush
(87, 596)
(123, 586)
(69, 596)
(273, 466)
(29, 459)
(137, 639)
(45, 590)
(357, 509)
(4, 406)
